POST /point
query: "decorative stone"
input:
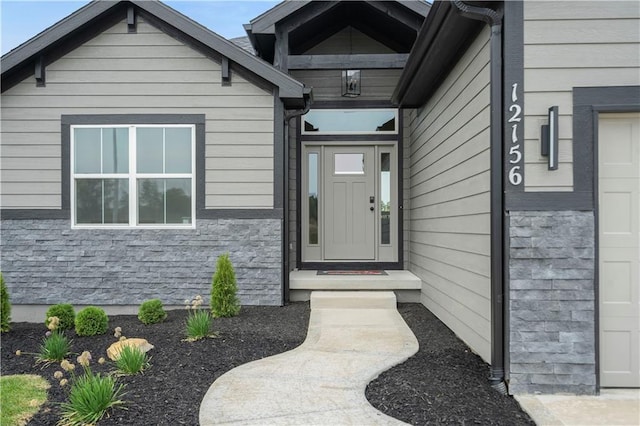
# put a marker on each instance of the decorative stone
(113, 352)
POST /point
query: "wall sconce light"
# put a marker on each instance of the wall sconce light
(351, 83)
(549, 138)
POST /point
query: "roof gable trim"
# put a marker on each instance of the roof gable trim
(288, 88)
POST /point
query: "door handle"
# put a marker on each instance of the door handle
(372, 208)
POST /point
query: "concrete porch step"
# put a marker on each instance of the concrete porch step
(394, 280)
(353, 300)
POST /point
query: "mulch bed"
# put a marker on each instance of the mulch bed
(443, 384)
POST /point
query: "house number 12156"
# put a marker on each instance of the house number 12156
(515, 152)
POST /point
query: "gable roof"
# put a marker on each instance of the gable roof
(444, 37)
(85, 18)
(395, 23)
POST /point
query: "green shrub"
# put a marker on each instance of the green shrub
(65, 314)
(5, 306)
(90, 397)
(224, 302)
(151, 312)
(54, 347)
(91, 321)
(132, 360)
(198, 325)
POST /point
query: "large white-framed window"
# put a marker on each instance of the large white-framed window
(133, 176)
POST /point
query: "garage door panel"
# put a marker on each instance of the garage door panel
(619, 212)
(619, 244)
(619, 277)
(619, 150)
(619, 341)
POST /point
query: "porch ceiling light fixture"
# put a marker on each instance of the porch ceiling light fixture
(351, 83)
(549, 138)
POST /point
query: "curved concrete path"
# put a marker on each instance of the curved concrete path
(352, 338)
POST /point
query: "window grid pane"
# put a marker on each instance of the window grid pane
(102, 201)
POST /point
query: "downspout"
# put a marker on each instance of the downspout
(494, 20)
(288, 115)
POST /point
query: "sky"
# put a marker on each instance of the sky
(22, 19)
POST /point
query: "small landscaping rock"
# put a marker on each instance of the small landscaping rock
(113, 352)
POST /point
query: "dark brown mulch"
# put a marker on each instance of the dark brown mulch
(443, 384)
(170, 392)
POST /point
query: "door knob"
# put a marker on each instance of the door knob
(371, 208)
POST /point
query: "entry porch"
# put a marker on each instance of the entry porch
(403, 283)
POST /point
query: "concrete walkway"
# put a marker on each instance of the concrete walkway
(352, 338)
(611, 407)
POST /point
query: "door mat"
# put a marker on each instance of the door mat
(338, 272)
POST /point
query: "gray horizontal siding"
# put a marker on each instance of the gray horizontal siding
(567, 45)
(327, 84)
(449, 243)
(147, 72)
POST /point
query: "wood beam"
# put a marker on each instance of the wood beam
(356, 61)
(40, 72)
(226, 73)
(131, 19)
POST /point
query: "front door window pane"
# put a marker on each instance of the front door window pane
(150, 150)
(313, 198)
(385, 198)
(349, 164)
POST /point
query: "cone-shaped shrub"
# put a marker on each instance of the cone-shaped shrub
(224, 302)
(5, 306)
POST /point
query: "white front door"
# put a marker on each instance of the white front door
(350, 203)
(619, 233)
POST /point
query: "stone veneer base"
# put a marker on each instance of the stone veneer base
(552, 302)
(46, 262)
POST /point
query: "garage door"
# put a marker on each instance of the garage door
(619, 231)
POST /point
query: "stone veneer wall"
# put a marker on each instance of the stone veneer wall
(47, 262)
(552, 312)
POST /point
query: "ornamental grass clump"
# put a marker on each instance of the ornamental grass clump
(132, 361)
(5, 306)
(151, 312)
(91, 321)
(199, 321)
(55, 346)
(224, 288)
(64, 312)
(91, 395)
